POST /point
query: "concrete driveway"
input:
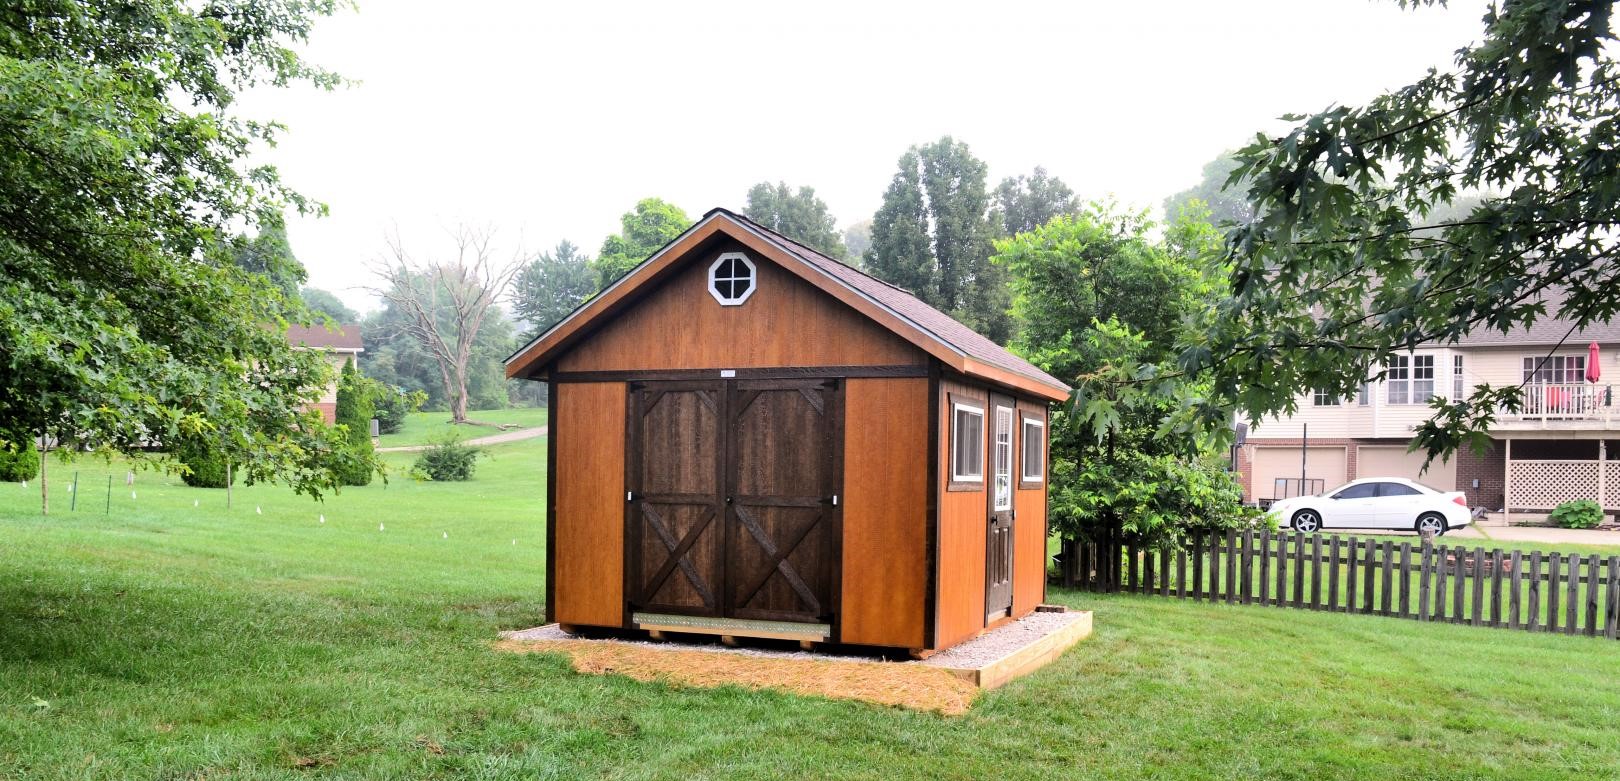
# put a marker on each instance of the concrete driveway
(1547, 534)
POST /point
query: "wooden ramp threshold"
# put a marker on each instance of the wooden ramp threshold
(732, 627)
(1023, 661)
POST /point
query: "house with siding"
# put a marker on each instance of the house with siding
(341, 346)
(1563, 444)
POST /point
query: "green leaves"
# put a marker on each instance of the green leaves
(126, 321)
(1481, 198)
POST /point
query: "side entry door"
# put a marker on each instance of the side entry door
(675, 509)
(999, 541)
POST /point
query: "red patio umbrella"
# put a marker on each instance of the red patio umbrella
(1594, 370)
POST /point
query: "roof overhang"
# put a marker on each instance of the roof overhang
(531, 360)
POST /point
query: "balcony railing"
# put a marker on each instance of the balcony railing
(1546, 401)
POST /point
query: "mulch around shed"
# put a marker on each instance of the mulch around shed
(936, 684)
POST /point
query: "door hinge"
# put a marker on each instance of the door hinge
(835, 500)
(629, 496)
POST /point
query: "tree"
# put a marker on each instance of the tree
(123, 178)
(643, 231)
(800, 216)
(270, 255)
(932, 236)
(445, 303)
(551, 285)
(323, 302)
(857, 240)
(1096, 295)
(1344, 265)
(1225, 200)
(1026, 203)
(354, 413)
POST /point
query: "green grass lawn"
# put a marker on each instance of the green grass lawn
(170, 641)
(422, 427)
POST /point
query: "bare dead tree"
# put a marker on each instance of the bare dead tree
(445, 300)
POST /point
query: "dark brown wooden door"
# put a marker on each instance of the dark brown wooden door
(999, 540)
(782, 539)
(732, 489)
(676, 513)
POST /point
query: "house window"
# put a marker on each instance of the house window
(1004, 457)
(1458, 388)
(1555, 369)
(1365, 396)
(1324, 398)
(967, 443)
(1034, 455)
(1410, 379)
(731, 278)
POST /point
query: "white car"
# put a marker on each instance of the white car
(1375, 503)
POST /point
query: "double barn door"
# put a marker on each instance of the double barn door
(732, 487)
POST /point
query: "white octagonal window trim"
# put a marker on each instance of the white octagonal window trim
(732, 278)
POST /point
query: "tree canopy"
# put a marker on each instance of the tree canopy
(551, 285)
(799, 215)
(1024, 203)
(324, 302)
(643, 230)
(932, 236)
(123, 189)
(1343, 263)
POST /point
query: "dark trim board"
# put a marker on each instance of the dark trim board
(770, 373)
(551, 502)
(931, 518)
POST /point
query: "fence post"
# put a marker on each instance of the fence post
(1611, 625)
(1406, 580)
(1425, 572)
(1265, 566)
(1572, 610)
(1386, 601)
(1516, 583)
(1316, 572)
(1552, 591)
(1231, 567)
(1534, 597)
(1370, 571)
(1333, 574)
(1351, 581)
(1496, 587)
(1592, 568)
(1247, 567)
(1181, 571)
(1198, 567)
(1475, 611)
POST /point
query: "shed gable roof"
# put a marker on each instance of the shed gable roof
(345, 339)
(954, 344)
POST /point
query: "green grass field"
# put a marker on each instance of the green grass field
(422, 427)
(168, 641)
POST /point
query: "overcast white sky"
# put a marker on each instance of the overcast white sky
(549, 120)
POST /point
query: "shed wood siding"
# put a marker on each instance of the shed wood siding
(786, 322)
(885, 574)
(1394, 461)
(1029, 522)
(963, 516)
(589, 541)
(1270, 463)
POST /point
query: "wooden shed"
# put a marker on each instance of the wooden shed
(749, 438)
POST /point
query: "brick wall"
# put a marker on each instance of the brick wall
(1490, 469)
(328, 411)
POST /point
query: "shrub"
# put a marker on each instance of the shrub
(19, 460)
(354, 411)
(392, 405)
(208, 468)
(446, 459)
(1578, 514)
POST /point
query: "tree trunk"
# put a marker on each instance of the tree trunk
(458, 401)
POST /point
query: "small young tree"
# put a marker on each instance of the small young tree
(354, 410)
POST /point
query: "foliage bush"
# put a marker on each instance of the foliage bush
(206, 464)
(391, 405)
(446, 459)
(19, 460)
(354, 411)
(1578, 514)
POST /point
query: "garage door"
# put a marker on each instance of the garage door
(1269, 463)
(1394, 461)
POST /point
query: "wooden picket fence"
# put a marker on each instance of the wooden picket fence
(1571, 593)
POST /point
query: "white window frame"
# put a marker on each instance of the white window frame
(1554, 369)
(1402, 376)
(1459, 384)
(1323, 398)
(957, 408)
(1002, 456)
(1023, 454)
(753, 278)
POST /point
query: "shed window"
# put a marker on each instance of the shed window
(967, 443)
(1034, 455)
(1004, 458)
(731, 278)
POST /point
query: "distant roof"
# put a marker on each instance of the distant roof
(1544, 332)
(345, 339)
(958, 346)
